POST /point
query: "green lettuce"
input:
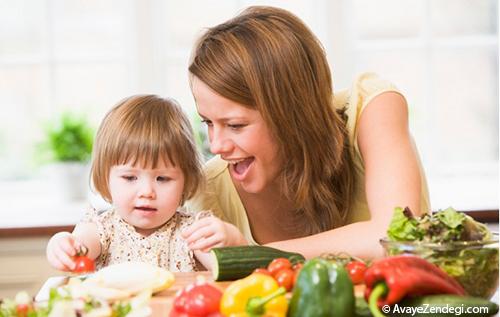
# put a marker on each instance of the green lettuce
(475, 268)
(403, 227)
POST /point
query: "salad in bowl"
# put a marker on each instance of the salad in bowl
(464, 248)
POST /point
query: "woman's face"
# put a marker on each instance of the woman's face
(241, 137)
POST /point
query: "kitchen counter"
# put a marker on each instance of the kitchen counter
(41, 219)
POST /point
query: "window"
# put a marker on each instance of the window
(444, 56)
(87, 55)
(59, 55)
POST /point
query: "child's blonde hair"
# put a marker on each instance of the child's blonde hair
(143, 129)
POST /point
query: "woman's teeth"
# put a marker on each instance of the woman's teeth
(234, 162)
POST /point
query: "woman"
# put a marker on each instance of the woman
(295, 168)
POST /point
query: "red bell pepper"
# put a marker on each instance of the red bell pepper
(407, 276)
(197, 300)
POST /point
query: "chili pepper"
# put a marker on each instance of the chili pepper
(323, 288)
(255, 295)
(197, 300)
(407, 276)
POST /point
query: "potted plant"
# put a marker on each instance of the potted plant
(68, 145)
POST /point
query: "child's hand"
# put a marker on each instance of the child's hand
(61, 249)
(211, 232)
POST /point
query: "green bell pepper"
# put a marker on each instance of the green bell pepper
(322, 289)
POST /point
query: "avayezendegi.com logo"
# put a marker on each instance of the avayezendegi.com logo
(433, 310)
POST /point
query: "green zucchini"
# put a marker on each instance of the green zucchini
(232, 263)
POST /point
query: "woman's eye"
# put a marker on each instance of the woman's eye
(235, 126)
(207, 122)
(163, 178)
(129, 178)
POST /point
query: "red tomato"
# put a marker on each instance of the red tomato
(277, 265)
(297, 266)
(83, 264)
(262, 271)
(356, 270)
(22, 310)
(296, 269)
(201, 299)
(285, 278)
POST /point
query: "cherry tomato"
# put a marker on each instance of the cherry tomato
(22, 310)
(278, 264)
(83, 264)
(285, 278)
(356, 270)
(297, 266)
(262, 271)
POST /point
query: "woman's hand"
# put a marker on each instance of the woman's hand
(211, 232)
(61, 249)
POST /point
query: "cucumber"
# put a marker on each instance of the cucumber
(459, 304)
(232, 263)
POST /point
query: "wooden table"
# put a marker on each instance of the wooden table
(161, 303)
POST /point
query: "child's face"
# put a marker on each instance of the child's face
(146, 198)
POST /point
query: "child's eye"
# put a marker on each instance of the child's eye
(163, 178)
(129, 178)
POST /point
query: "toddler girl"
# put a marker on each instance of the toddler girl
(146, 165)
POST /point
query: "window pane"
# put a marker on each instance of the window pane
(177, 84)
(466, 105)
(23, 97)
(388, 18)
(464, 17)
(22, 28)
(182, 34)
(91, 88)
(90, 28)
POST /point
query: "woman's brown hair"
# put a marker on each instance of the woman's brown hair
(143, 129)
(267, 59)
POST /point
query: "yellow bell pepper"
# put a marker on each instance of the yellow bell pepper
(255, 295)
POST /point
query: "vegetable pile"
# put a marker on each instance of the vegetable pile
(461, 246)
(72, 301)
(117, 290)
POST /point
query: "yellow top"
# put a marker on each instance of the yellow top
(221, 196)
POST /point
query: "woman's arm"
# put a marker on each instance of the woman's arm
(392, 178)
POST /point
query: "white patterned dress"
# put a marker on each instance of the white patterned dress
(164, 248)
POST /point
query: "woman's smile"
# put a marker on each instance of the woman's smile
(241, 169)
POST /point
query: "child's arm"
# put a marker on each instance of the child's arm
(63, 246)
(205, 259)
(210, 232)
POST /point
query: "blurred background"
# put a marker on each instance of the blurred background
(82, 57)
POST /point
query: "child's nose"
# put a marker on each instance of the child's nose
(147, 190)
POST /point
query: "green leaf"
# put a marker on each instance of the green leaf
(121, 309)
(450, 217)
(403, 228)
(68, 139)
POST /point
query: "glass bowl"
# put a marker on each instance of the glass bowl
(474, 264)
